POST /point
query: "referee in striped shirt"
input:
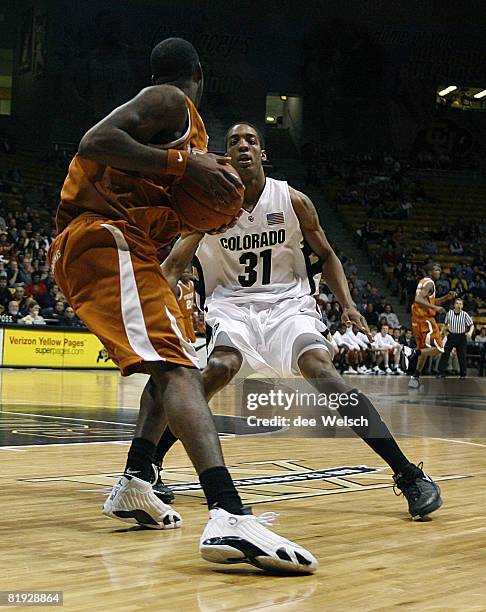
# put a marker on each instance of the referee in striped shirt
(460, 326)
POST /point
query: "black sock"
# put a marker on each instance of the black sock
(166, 442)
(220, 491)
(376, 434)
(416, 374)
(412, 362)
(140, 459)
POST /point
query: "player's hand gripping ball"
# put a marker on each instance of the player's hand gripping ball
(201, 210)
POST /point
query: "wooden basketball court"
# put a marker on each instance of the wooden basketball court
(64, 437)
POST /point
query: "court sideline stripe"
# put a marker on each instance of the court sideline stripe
(443, 439)
(21, 446)
(47, 416)
(63, 405)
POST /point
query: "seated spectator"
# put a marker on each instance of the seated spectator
(387, 347)
(370, 315)
(391, 317)
(398, 278)
(374, 297)
(13, 273)
(49, 280)
(407, 339)
(358, 345)
(406, 208)
(396, 333)
(350, 268)
(480, 338)
(431, 248)
(345, 347)
(366, 292)
(70, 319)
(12, 314)
(456, 248)
(25, 276)
(334, 313)
(33, 318)
(442, 286)
(323, 306)
(480, 343)
(470, 304)
(5, 244)
(459, 284)
(382, 304)
(356, 296)
(21, 299)
(5, 293)
(357, 282)
(382, 321)
(467, 272)
(36, 288)
(56, 314)
(478, 287)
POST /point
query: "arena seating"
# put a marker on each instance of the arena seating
(452, 203)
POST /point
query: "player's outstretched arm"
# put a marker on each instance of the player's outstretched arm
(332, 269)
(445, 298)
(180, 257)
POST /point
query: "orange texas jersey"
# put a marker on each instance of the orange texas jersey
(93, 189)
(422, 312)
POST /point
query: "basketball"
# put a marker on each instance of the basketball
(196, 208)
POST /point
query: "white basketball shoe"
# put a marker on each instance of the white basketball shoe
(234, 538)
(132, 500)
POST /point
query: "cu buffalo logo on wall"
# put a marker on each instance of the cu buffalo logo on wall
(102, 356)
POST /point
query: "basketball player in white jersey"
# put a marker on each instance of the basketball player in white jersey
(255, 284)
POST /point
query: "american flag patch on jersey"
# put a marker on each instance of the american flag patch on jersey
(275, 218)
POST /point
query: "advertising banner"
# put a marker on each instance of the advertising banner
(32, 347)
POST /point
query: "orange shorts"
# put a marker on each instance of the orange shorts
(109, 273)
(426, 333)
(189, 332)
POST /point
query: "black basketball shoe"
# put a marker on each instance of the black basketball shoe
(422, 493)
(160, 489)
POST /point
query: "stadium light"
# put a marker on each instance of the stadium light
(447, 90)
(284, 98)
(270, 119)
(480, 94)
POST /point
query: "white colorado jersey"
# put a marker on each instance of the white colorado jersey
(262, 259)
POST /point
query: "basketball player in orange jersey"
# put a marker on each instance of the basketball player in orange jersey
(424, 326)
(185, 298)
(257, 280)
(114, 215)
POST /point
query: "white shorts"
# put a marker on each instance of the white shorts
(270, 337)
